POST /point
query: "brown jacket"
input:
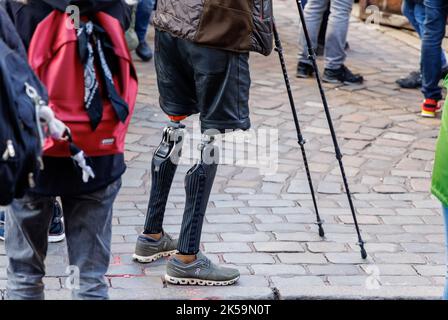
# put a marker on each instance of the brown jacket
(235, 25)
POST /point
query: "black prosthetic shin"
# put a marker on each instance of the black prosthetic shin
(163, 167)
(198, 185)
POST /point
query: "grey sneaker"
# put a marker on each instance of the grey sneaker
(147, 250)
(201, 272)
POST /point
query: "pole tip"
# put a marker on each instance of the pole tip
(321, 231)
(363, 252)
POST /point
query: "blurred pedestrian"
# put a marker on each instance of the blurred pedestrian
(415, 12)
(434, 29)
(142, 20)
(335, 43)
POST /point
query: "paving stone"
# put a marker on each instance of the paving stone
(248, 258)
(404, 281)
(245, 237)
(333, 269)
(277, 269)
(278, 246)
(136, 282)
(302, 258)
(323, 247)
(431, 270)
(406, 258)
(297, 281)
(227, 247)
(391, 269)
(329, 188)
(347, 280)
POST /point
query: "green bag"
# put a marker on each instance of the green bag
(440, 174)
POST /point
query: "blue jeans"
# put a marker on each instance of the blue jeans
(142, 18)
(415, 13)
(445, 213)
(433, 34)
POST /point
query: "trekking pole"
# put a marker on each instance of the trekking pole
(312, 57)
(300, 139)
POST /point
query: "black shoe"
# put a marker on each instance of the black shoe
(144, 51)
(342, 75)
(304, 70)
(57, 230)
(412, 81)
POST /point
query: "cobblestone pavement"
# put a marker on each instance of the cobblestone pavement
(264, 224)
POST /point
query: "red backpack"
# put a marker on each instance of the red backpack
(55, 58)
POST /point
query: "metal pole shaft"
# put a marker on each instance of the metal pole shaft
(312, 57)
(300, 140)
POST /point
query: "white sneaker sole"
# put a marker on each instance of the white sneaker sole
(199, 282)
(55, 239)
(154, 257)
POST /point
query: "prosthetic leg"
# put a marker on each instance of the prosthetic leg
(163, 168)
(198, 185)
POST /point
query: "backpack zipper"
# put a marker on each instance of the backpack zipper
(10, 152)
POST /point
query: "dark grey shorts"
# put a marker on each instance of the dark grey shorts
(195, 79)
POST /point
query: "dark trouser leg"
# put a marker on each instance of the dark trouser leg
(433, 33)
(143, 16)
(88, 222)
(198, 185)
(26, 241)
(163, 168)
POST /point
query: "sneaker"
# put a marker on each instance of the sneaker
(57, 230)
(144, 51)
(412, 81)
(342, 75)
(304, 70)
(148, 250)
(200, 272)
(430, 107)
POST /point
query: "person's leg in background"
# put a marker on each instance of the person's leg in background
(88, 222)
(445, 214)
(420, 14)
(431, 62)
(143, 17)
(336, 40)
(26, 243)
(415, 13)
(314, 13)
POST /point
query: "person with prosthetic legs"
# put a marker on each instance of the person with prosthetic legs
(199, 71)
